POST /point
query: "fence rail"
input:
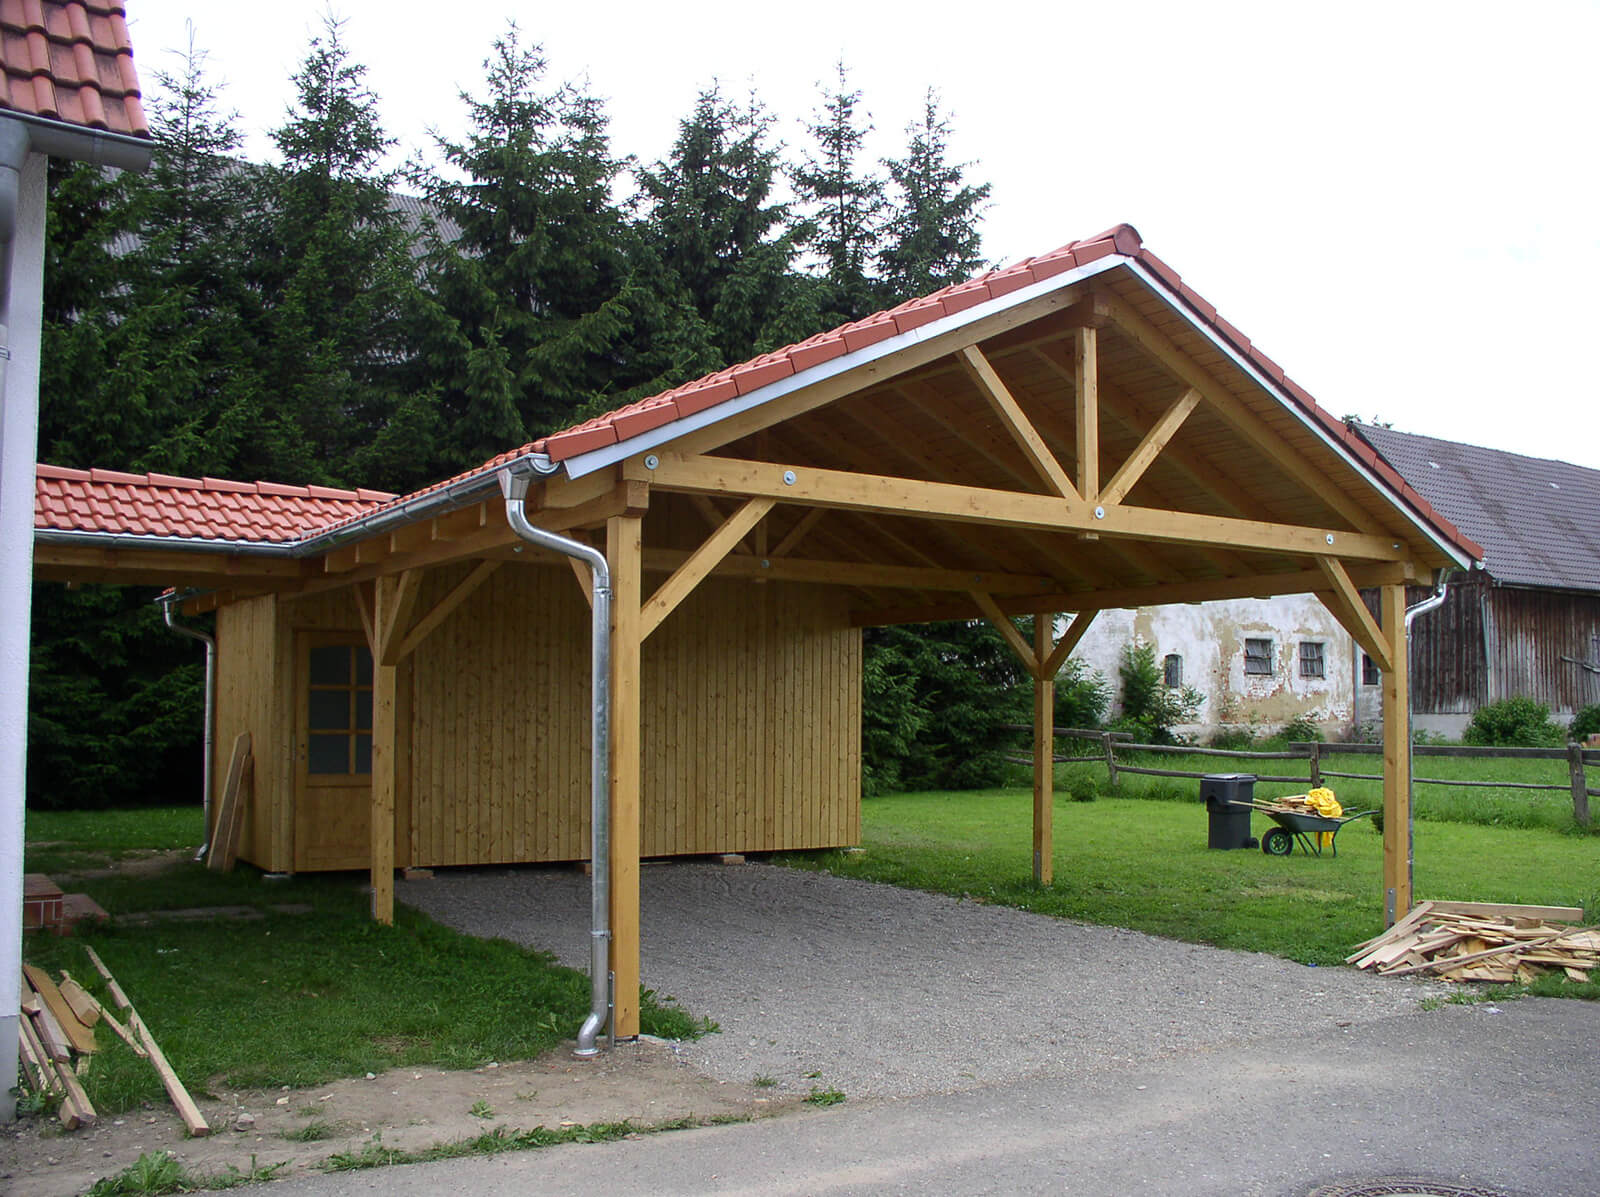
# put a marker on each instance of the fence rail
(1110, 744)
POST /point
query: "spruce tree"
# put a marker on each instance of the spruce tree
(933, 237)
(843, 208)
(531, 315)
(710, 218)
(336, 279)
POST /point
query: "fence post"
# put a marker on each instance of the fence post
(1580, 784)
(1111, 757)
(1314, 751)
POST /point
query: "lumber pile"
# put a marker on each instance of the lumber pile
(57, 1042)
(1483, 941)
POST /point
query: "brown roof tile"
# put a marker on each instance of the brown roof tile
(71, 61)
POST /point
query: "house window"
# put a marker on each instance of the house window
(339, 714)
(1258, 658)
(1172, 670)
(1369, 671)
(1311, 664)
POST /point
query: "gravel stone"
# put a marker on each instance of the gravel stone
(822, 982)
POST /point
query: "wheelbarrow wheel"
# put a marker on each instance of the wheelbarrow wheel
(1277, 842)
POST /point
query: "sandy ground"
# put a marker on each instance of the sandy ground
(410, 1109)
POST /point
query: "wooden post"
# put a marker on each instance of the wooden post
(624, 552)
(1044, 753)
(1087, 361)
(1314, 751)
(1580, 784)
(383, 786)
(1109, 743)
(1396, 759)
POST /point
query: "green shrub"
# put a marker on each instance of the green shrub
(1514, 722)
(1585, 723)
(1303, 729)
(1150, 707)
(1082, 695)
(1081, 786)
(1239, 739)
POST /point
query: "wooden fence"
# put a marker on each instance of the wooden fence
(1313, 753)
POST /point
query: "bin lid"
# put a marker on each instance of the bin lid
(1228, 777)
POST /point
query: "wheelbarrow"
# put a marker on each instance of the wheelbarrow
(1307, 829)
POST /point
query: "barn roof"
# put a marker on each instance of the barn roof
(70, 61)
(1538, 520)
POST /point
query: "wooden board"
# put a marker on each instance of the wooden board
(224, 850)
(193, 1120)
(79, 1036)
(84, 1008)
(1554, 914)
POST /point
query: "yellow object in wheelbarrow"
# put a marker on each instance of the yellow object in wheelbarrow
(1325, 804)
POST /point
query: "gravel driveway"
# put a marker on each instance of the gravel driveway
(826, 982)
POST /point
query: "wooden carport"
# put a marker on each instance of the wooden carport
(1075, 433)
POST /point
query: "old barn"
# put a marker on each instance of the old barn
(1077, 432)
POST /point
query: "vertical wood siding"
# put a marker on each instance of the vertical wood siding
(1449, 667)
(751, 713)
(1531, 631)
(248, 699)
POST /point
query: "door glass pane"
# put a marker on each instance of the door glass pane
(330, 710)
(329, 754)
(363, 666)
(363, 754)
(364, 709)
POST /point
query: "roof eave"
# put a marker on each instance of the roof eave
(80, 143)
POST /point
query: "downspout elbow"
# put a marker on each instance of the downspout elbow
(515, 488)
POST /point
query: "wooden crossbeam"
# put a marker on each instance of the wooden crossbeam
(1016, 422)
(1149, 448)
(1344, 601)
(700, 563)
(796, 534)
(1069, 641)
(969, 504)
(854, 573)
(1008, 630)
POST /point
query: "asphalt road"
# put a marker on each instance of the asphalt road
(1501, 1099)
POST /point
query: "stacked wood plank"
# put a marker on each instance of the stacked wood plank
(1483, 941)
(55, 1045)
(57, 1041)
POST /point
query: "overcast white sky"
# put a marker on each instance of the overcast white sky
(1396, 201)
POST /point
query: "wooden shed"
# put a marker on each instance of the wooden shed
(1076, 432)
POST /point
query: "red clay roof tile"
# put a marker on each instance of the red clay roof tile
(117, 503)
(70, 60)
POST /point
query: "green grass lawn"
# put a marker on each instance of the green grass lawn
(1140, 864)
(290, 998)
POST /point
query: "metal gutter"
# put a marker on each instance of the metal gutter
(515, 488)
(82, 144)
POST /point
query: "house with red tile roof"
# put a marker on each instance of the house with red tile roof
(1071, 434)
(68, 89)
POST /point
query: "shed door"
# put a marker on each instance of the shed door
(333, 749)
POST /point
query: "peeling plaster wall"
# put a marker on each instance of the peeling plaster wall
(1210, 637)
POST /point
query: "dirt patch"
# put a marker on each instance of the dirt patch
(135, 863)
(408, 1108)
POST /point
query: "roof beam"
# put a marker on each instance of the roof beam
(836, 572)
(1011, 415)
(1305, 581)
(969, 504)
(1086, 357)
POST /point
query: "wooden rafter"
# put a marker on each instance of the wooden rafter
(791, 539)
(1016, 422)
(1343, 599)
(1141, 332)
(700, 563)
(966, 504)
(1141, 459)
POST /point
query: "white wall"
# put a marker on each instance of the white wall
(1210, 639)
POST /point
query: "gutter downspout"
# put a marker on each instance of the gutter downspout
(515, 488)
(1433, 601)
(210, 714)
